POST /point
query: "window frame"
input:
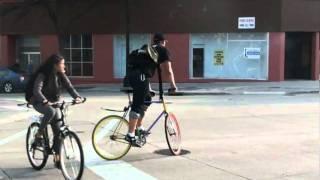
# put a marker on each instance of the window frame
(81, 62)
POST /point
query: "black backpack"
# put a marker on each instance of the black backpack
(142, 60)
(29, 87)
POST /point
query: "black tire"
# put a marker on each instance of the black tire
(173, 134)
(109, 144)
(70, 143)
(36, 163)
(8, 87)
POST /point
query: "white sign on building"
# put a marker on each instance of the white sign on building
(246, 22)
(252, 53)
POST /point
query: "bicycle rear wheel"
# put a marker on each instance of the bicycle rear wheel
(71, 156)
(108, 137)
(173, 134)
(37, 155)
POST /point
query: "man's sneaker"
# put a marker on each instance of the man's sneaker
(138, 132)
(172, 90)
(132, 141)
(152, 93)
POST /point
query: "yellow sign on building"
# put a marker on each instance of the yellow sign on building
(218, 57)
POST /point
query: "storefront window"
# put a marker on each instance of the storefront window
(231, 55)
(77, 51)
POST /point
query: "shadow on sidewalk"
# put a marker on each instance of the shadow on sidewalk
(167, 152)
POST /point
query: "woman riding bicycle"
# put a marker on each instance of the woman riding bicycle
(46, 85)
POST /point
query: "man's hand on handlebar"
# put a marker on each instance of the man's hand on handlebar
(79, 100)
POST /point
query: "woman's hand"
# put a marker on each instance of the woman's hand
(48, 103)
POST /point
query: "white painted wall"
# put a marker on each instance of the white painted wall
(236, 65)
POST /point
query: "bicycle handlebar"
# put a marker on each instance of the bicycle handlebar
(61, 104)
(73, 102)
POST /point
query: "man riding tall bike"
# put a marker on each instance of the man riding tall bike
(142, 65)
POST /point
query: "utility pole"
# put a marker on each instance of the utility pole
(126, 84)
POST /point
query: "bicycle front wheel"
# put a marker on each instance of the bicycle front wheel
(108, 137)
(71, 156)
(173, 134)
(37, 155)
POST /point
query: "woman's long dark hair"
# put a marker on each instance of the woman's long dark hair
(48, 67)
(48, 70)
(50, 73)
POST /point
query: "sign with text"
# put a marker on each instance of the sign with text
(252, 53)
(218, 57)
(246, 22)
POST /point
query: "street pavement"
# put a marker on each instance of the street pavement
(235, 136)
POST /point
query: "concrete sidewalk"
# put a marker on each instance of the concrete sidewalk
(224, 88)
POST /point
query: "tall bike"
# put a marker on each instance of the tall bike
(70, 148)
(108, 136)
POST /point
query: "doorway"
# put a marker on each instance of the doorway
(30, 61)
(298, 55)
(198, 61)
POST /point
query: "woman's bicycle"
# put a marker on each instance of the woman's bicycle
(108, 136)
(70, 148)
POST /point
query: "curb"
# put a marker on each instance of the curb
(206, 93)
(184, 93)
(302, 92)
(264, 93)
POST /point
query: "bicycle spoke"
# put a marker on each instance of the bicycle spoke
(124, 141)
(108, 137)
(71, 157)
(36, 155)
(173, 134)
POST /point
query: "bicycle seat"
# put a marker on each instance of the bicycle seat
(126, 90)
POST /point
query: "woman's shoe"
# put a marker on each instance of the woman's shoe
(56, 160)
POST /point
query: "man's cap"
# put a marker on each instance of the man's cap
(158, 37)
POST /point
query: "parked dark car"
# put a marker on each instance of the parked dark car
(12, 80)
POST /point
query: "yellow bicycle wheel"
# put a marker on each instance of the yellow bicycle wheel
(108, 137)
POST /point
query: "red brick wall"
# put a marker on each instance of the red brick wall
(103, 58)
(49, 44)
(7, 50)
(178, 44)
(276, 56)
(102, 61)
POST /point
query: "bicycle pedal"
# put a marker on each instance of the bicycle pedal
(136, 145)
